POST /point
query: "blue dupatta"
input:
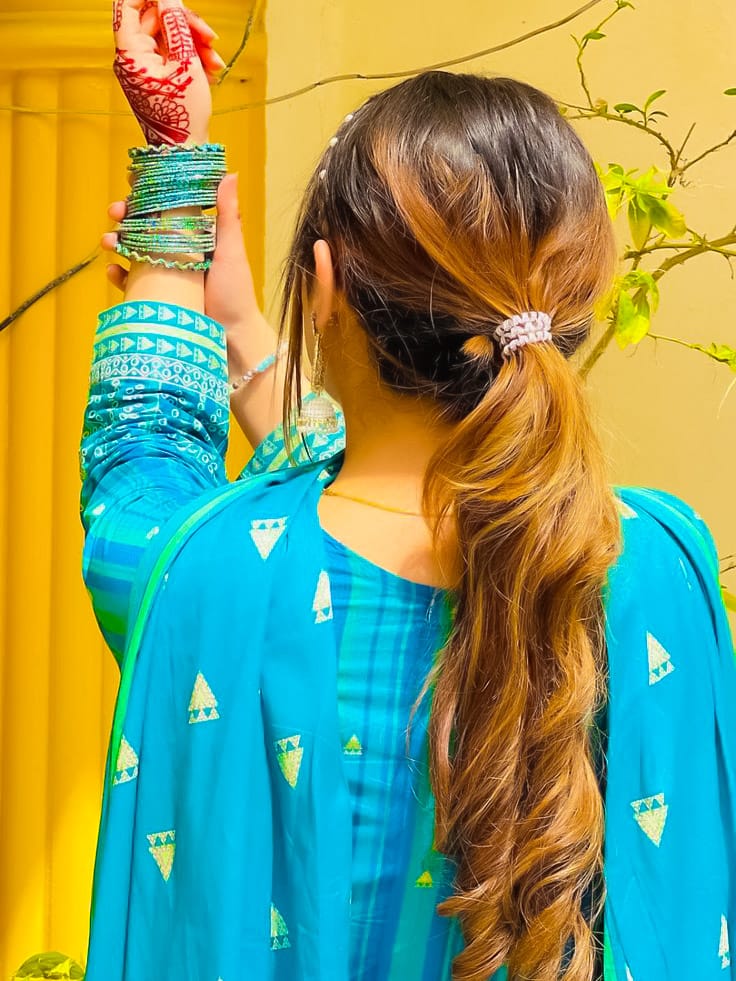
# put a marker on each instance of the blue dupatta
(224, 848)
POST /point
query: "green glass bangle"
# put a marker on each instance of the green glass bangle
(199, 266)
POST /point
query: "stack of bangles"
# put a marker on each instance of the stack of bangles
(166, 178)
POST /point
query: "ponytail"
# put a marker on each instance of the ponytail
(523, 482)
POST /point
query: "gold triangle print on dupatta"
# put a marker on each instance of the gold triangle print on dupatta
(126, 768)
(353, 747)
(279, 932)
(660, 662)
(162, 846)
(650, 813)
(265, 532)
(289, 755)
(322, 603)
(202, 704)
(724, 946)
(425, 880)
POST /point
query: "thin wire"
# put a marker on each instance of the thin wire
(332, 79)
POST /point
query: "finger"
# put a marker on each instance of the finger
(176, 31)
(117, 276)
(200, 26)
(150, 21)
(126, 22)
(109, 241)
(117, 210)
(229, 230)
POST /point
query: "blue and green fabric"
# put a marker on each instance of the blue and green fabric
(261, 816)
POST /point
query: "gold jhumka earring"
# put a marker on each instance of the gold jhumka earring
(317, 413)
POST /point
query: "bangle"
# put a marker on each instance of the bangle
(268, 362)
(168, 177)
(198, 265)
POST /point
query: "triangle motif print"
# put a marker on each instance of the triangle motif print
(650, 813)
(202, 704)
(265, 532)
(162, 847)
(279, 931)
(724, 947)
(289, 755)
(126, 768)
(625, 510)
(322, 604)
(629, 975)
(353, 747)
(660, 662)
(425, 880)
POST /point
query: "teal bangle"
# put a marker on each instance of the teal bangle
(198, 266)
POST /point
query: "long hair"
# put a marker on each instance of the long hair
(451, 202)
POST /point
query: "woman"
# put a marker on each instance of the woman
(457, 602)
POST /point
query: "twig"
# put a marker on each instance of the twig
(254, 10)
(601, 344)
(585, 113)
(408, 73)
(54, 284)
(679, 153)
(712, 149)
(347, 77)
(715, 246)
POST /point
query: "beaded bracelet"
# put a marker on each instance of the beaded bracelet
(259, 369)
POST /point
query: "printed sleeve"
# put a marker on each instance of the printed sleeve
(154, 439)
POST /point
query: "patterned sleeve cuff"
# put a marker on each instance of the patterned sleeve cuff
(161, 342)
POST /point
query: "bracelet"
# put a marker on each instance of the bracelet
(192, 266)
(166, 177)
(259, 369)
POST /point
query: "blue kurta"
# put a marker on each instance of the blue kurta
(240, 809)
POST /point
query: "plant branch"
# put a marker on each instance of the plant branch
(254, 11)
(712, 149)
(598, 351)
(717, 245)
(54, 284)
(585, 113)
(679, 153)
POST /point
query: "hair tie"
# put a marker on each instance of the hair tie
(531, 327)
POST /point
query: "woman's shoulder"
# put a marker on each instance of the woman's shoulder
(663, 593)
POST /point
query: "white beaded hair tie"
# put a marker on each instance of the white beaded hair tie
(531, 327)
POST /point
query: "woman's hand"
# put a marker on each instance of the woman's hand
(164, 61)
(229, 295)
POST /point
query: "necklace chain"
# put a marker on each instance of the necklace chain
(372, 504)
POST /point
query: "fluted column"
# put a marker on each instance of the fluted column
(58, 171)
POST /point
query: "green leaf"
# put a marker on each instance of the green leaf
(730, 92)
(623, 107)
(645, 284)
(632, 321)
(653, 98)
(664, 216)
(658, 112)
(593, 36)
(729, 600)
(605, 305)
(719, 352)
(639, 223)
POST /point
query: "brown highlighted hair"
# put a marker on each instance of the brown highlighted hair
(451, 202)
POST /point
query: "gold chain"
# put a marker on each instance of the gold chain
(372, 504)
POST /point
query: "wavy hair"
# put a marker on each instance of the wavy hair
(451, 202)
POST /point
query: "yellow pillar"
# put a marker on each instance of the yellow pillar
(60, 169)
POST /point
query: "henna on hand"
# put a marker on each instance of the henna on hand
(165, 83)
(158, 103)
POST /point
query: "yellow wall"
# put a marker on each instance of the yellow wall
(57, 175)
(659, 407)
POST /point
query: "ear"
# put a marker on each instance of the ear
(323, 297)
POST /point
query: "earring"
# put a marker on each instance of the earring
(317, 413)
